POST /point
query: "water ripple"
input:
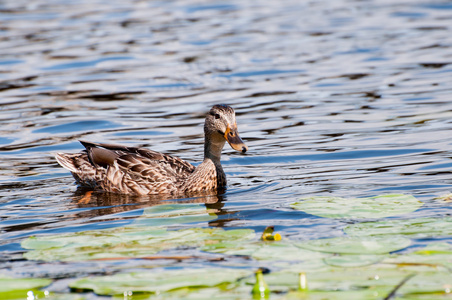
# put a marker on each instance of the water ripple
(344, 98)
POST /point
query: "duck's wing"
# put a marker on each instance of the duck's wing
(135, 159)
(124, 169)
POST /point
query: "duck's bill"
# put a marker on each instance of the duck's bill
(232, 136)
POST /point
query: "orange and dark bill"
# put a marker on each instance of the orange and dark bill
(232, 136)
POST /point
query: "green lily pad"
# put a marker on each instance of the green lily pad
(368, 294)
(170, 214)
(285, 251)
(436, 255)
(123, 242)
(428, 282)
(356, 245)
(353, 261)
(360, 208)
(371, 282)
(204, 293)
(159, 282)
(20, 288)
(419, 228)
(339, 279)
(269, 251)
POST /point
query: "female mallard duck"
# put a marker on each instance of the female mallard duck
(139, 171)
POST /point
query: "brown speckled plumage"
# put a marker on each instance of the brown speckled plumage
(139, 171)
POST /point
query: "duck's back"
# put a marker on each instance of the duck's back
(129, 170)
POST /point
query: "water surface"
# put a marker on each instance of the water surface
(345, 98)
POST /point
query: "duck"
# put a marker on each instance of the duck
(141, 171)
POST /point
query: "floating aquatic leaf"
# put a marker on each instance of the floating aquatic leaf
(368, 294)
(125, 242)
(352, 260)
(435, 255)
(8, 284)
(419, 228)
(159, 282)
(169, 214)
(373, 207)
(231, 292)
(375, 277)
(21, 288)
(284, 251)
(280, 251)
(356, 245)
(428, 282)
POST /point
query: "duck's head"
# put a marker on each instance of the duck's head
(220, 126)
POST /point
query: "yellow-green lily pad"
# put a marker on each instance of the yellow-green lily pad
(352, 260)
(160, 281)
(368, 294)
(170, 214)
(339, 279)
(21, 288)
(419, 227)
(358, 208)
(356, 245)
(124, 242)
(434, 255)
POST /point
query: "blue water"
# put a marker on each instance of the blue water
(338, 98)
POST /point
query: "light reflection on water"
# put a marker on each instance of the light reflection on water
(343, 98)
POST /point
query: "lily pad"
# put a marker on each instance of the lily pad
(123, 242)
(170, 214)
(368, 294)
(353, 261)
(436, 255)
(20, 288)
(274, 251)
(360, 208)
(371, 282)
(204, 293)
(428, 282)
(356, 245)
(339, 279)
(159, 282)
(419, 228)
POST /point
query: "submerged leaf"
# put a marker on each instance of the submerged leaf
(373, 207)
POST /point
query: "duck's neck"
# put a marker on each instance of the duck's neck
(212, 149)
(212, 155)
(209, 175)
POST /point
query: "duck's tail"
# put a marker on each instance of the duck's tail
(83, 171)
(67, 161)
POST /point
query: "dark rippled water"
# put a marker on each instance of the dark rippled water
(344, 98)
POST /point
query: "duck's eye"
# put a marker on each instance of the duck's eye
(217, 116)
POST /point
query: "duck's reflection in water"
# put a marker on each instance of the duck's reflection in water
(97, 204)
